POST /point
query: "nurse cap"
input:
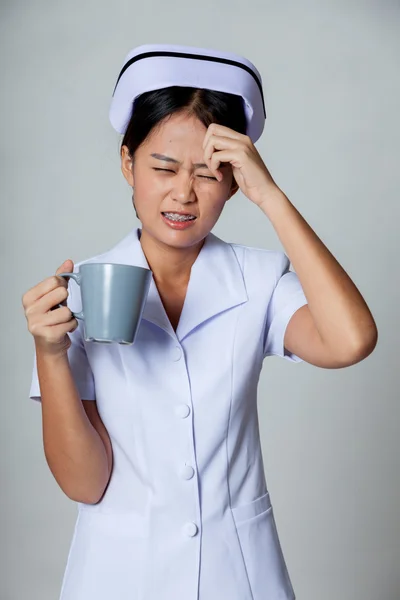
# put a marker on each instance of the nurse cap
(155, 66)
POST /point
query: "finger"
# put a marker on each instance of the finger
(56, 317)
(56, 331)
(66, 267)
(49, 301)
(47, 285)
(217, 142)
(222, 130)
(223, 156)
(41, 289)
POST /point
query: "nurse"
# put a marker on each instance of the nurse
(158, 442)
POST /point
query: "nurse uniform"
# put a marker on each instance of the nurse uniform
(187, 514)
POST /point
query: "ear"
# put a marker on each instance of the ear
(127, 165)
(234, 188)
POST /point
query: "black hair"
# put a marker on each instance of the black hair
(151, 108)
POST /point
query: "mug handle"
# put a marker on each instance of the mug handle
(77, 277)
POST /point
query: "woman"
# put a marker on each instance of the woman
(158, 442)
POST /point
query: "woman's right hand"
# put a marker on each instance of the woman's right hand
(48, 323)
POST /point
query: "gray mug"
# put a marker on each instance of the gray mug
(113, 299)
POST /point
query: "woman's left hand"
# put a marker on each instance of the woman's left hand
(224, 145)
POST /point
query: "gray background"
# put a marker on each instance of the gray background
(332, 86)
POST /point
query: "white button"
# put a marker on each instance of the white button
(190, 529)
(187, 472)
(177, 353)
(182, 410)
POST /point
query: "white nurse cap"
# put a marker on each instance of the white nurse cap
(155, 66)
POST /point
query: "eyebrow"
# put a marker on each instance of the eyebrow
(177, 162)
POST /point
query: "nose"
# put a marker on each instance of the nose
(183, 188)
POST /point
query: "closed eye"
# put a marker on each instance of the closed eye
(170, 171)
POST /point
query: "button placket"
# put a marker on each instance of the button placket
(187, 472)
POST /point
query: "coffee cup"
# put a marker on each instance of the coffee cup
(113, 299)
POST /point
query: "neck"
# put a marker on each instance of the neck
(170, 266)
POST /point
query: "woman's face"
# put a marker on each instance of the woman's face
(167, 177)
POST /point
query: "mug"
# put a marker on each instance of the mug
(113, 299)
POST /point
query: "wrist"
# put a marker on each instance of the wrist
(273, 200)
(50, 355)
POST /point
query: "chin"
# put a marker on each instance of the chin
(182, 239)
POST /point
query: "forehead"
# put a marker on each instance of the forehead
(176, 129)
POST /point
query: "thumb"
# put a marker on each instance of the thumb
(66, 267)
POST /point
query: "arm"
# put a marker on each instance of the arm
(336, 328)
(76, 444)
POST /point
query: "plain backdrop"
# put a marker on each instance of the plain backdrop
(332, 87)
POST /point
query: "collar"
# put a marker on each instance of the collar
(216, 283)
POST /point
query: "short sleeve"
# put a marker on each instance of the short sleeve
(286, 299)
(77, 356)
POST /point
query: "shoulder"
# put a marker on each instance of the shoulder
(255, 261)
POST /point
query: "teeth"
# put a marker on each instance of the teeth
(175, 217)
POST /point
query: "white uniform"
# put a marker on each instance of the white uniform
(186, 514)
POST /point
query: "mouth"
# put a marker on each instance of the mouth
(179, 217)
(178, 221)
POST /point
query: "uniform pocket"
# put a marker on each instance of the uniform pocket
(243, 512)
(262, 553)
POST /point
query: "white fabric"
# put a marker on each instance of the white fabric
(150, 71)
(187, 513)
